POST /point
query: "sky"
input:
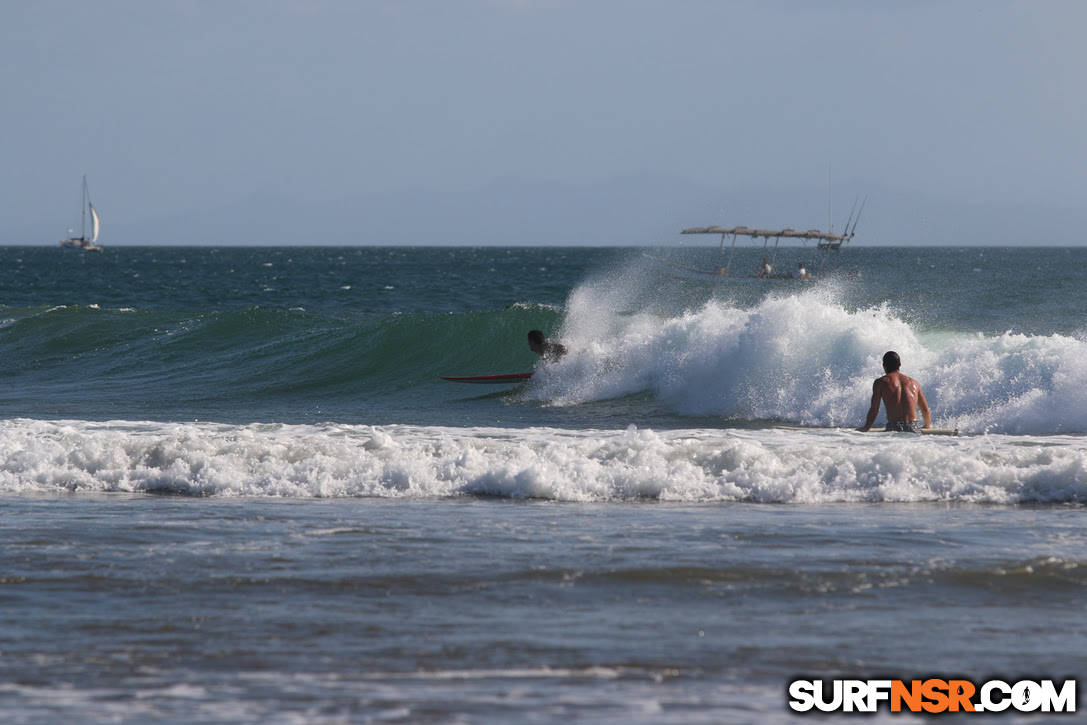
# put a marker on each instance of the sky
(541, 121)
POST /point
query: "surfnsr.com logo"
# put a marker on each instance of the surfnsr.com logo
(932, 696)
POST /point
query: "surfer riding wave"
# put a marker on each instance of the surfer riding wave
(549, 351)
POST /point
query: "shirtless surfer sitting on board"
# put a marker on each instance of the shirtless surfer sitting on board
(901, 395)
(546, 349)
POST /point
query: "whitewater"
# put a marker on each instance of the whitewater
(769, 465)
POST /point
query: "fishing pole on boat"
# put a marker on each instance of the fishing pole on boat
(845, 229)
(851, 231)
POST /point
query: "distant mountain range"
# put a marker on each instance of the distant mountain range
(635, 210)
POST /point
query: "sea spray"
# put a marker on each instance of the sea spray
(802, 358)
(806, 358)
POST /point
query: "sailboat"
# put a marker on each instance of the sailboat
(83, 242)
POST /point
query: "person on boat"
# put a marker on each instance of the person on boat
(549, 351)
(902, 397)
(765, 270)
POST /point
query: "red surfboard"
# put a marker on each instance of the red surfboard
(489, 379)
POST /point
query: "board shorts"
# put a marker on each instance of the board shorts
(903, 426)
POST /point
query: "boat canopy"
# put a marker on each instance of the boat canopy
(769, 233)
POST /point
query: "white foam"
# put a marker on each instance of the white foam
(805, 358)
(768, 465)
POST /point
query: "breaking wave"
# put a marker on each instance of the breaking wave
(808, 359)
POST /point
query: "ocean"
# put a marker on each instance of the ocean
(234, 487)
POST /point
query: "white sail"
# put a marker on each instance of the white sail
(95, 224)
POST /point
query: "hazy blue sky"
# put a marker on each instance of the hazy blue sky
(266, 107)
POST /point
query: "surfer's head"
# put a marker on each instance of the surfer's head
(536, 341)
(891, 361)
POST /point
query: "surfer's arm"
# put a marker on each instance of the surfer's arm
(873, 409)
(922, 404)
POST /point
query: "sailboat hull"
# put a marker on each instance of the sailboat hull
(83, 244)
